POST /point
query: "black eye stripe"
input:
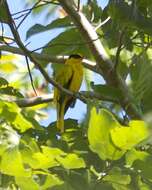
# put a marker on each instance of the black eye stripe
(75, 56)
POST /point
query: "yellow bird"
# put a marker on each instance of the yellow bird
(70, 76)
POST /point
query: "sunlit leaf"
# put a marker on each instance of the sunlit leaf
(100, 125)
(128, 137)
(133, 155)
(50, 181)
(52, 152)
(12, 113)
(38, 160)
(72, 161)
(7, 67)
(26, 182)
(7, 63)
(11, 163)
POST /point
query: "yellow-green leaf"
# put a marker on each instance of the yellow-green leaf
(100, 125)
(72, 161)
(12, 114)
(26, 183)
(11, 163)
(133, 155)
(50, 181)
(127, 137)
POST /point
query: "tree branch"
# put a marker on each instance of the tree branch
(49, 58)
(121, 35)
(102, 58)
(28, 102)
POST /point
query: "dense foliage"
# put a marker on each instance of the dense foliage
(111, 148)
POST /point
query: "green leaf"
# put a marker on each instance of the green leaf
(127, 16)
(3, 12)
(12, 114)
(58, 23)
(9, 90)
(26, 182)
(126, 138)
(52, 152)
(133, 155)
(141, 80)
(69, 41)
(100, 125)
(142, 185)
(3, 82)
(104, 186)
(145, 167)
(141, 161)
(38, 160)
(72, 161)
(107, 91)
(120, 11)
(93, 8)
(118, 180)
(140, 72)
(11, 163)
(42, 161)
(8, 138)
(51, 181)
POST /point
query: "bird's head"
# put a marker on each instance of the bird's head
(76, 56)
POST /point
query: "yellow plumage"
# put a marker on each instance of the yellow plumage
(70, 77)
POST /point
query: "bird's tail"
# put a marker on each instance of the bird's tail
(60, 117)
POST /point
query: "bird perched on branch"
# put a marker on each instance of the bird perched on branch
(70, 76)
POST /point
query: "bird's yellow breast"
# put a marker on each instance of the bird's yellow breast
(77, 78)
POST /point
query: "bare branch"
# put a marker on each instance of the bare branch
(103, 23)
(28, 13)
(29, 102)
(49, 58)
(34, 7)
(122, 33)
(31, 78)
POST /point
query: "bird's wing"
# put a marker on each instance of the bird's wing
(63, 77)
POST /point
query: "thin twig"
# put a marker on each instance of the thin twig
(103, 23)
(51, 2)
(31, 78)
(2, 26)
(78, 9)
(38, 6)
(28, 13)
(122, 33)
(29, 102)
